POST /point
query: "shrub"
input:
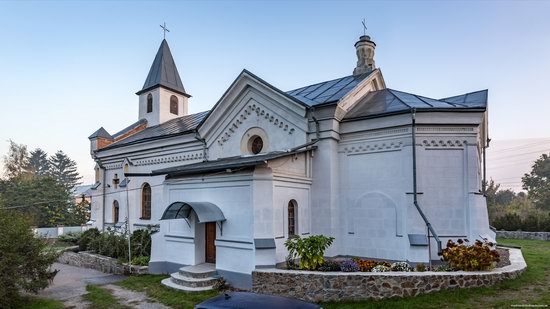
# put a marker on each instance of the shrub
(440, 268)
(24, 259)
(140, 260)
(349, 266)
(420, 267)
(329, 265)
(365, 265)
(479, 256)
(384, 263)
(309, 250)
(380, 268)
(86, 238)
(401, 266)
(71, 238)
(141, 243)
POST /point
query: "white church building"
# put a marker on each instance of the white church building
(350, 158)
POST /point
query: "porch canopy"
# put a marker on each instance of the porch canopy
(206, 212)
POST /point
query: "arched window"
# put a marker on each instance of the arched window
(116, 211)
(174, 105)
(292, 218)
(149, 103)
(146, 202)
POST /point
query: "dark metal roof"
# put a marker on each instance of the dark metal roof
(130, 128)
(224, 164)
(327, 92)
(206, 212)
(387, 101)
(163, 72)
(472, 99)
(172, 127)
(101, 132)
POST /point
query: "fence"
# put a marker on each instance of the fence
(54, 232)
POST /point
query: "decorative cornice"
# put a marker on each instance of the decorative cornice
(260, 112)
(444, 129)
(373, 147)
(442, 143)
(158, 160)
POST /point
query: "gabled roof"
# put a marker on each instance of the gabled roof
(101, 132)
(328, 91)
(388, 101)
(163, 72)
(176, 126)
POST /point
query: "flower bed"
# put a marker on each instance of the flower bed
(345, 286)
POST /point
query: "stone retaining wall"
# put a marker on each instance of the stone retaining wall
(340, 286)
(524, 235)
(102, 263)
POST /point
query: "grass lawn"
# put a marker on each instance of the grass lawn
(150, 284)
(531, 288)
(29, 302)
(100, 298)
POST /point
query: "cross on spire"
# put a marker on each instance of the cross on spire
(165, 29)
(364, 27)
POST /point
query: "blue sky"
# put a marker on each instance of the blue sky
(70, 67)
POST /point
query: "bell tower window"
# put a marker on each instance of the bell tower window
(174, 105)
(149, 103)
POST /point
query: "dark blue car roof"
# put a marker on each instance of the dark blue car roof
(247, 300)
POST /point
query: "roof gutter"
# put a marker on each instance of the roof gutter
(415, 192)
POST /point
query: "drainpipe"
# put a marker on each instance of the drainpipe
(104, 186)
(415, 192)
(203, 141)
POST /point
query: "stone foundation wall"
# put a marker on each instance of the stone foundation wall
(102, 263)
(524, 235)
(341, 286)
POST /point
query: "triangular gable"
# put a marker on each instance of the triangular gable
(226, 110)
(375, 81)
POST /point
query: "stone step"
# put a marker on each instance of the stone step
(169, 283)
(192, 282)
(198, 271)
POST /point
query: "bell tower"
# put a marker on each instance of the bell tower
(163, 96)
(365, 55)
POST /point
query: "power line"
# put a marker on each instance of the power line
(65, 200)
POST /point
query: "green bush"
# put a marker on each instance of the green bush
(141, 243)
(24, 259)
(72, 238)
(115, 245)
(86, 238)
(140, 260)
(480, 256)
(309, 250)
(531, 223)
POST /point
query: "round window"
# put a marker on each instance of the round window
(256, 144)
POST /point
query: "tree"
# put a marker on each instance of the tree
(38, 163)
(537, 183)
(16, 161)
(42, 200)
(63, 169)
(491, 191)
(24, 259)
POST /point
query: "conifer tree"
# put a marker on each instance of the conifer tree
(63, 169)
(38, 163)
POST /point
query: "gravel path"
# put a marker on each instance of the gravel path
(70, 284)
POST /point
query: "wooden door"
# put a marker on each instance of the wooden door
(210, 238)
